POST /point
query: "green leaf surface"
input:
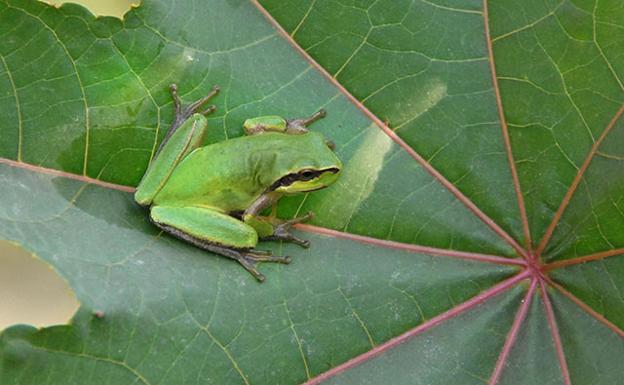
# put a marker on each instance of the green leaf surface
(171, 309)
(534, 341)
(482, 152)
(594, 219)
(116, 131)
(441, 355)
(408, 62)
(589, 362)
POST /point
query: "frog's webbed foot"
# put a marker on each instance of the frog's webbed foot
(282, 232)
(182, 113)
(298, 126)
(250, 258)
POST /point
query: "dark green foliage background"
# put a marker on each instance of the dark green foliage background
(90, 96)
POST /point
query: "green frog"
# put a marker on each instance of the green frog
(214, 196)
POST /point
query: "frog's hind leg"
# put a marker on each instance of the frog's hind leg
(296, 126)
(185, 135)
(274, 123)
(182, 114)
(188, 137)
(215, 232)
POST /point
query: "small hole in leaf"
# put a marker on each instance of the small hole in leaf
(31, 292)
(101, 7)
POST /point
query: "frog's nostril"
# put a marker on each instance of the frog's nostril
(330, 144)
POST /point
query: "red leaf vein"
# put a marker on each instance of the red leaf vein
(63, 174)
(513, 333)
(554, 330)
(586, 307)
(411, 247)
(575, 182)
(583, 259)
(505, 130)
(453, 312)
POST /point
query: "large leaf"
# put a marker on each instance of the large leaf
(467, 238)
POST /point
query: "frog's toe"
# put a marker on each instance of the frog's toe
(249, 260)
(195, 106)
(299, 125)
(268, 258)
(287, 237)
(250, 266)
(209, 110)
(308, 217)
(260, 252)
(291, 222)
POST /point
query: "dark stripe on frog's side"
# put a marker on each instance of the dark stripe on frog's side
(304, 175)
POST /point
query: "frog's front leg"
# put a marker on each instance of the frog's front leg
(281, 231)
(216, 232)
(271, 228)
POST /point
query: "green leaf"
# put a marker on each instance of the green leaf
(469, 356)
(475, 234)
(171, 310)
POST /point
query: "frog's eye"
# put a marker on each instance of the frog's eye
(330, 144)
(307, 175)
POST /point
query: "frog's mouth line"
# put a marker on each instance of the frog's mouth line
(304, 175)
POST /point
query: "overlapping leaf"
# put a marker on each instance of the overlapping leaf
(89, 96)
(171, 310)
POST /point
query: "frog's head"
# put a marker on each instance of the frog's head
(311, 164)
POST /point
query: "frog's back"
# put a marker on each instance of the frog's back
(232, 174)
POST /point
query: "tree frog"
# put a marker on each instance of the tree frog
(213, 196)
